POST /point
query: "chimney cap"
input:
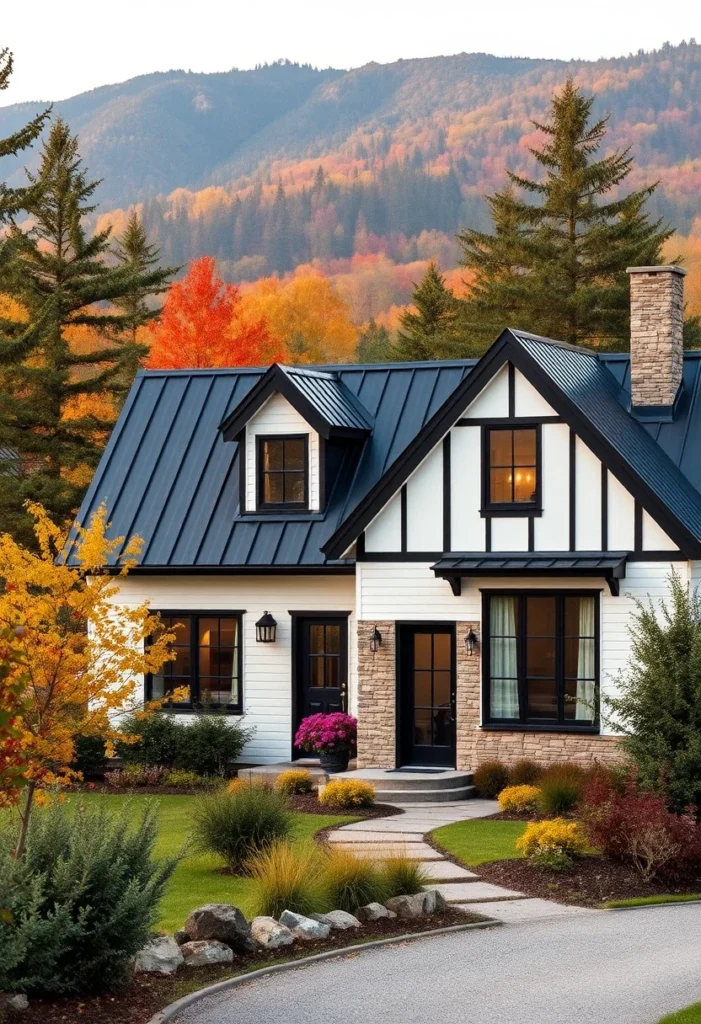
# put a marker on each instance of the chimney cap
(670, 268)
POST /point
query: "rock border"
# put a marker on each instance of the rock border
(171, 1011)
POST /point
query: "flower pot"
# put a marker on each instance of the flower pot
(334, 760)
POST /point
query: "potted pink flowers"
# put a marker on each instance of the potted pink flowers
(333, 737)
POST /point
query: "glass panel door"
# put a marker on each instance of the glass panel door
(427, 696)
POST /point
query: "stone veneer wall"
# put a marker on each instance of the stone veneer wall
(656, 326)
(377, 697)
(377, 714)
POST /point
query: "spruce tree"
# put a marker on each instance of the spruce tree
(14, 200)
(430, 332)
(55, 402)
(375, 344)
(135, 253)
(567, 276)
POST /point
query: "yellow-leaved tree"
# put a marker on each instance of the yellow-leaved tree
(80, 656)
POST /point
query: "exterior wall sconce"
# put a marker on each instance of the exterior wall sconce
(265, 629)
(471, 641)
(375, 641)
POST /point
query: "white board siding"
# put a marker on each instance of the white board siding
(654, 537)
(493, 399)
(385, 531)
(510, 534)
(424, 491)
(467, 530)
(552, 529)
(588, 499)
(527, 400)
(621, 516)
(277, 416)
(267, 668)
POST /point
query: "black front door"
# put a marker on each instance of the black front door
(321, 665)
(427, 695)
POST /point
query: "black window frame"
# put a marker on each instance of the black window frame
(194, 704)
(524, 723)
(511, 508)
(280, 506)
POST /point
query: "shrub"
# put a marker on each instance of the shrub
(89, 755)
(490, 778)
(565, 837)
(237, 825)
(519, 799)
(525, 773)
(287, 879)
(135, 775)
(561, 788)
(156, 740)
(82, 901)
(351, 881)
(181, 778)
(211, 743)
(327, 733)
(403, 876)
(638, 828)
(340, 794)
(550, 858)
(296, 780)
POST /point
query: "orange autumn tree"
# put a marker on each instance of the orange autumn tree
(13, 682)
(200, 326)
(80, 657)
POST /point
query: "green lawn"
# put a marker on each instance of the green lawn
(651, 901)
(480, 841)
(196, 879)
(692, 1015)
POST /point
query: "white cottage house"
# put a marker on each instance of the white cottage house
(449, 550)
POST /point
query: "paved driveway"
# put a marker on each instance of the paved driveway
(607, 968)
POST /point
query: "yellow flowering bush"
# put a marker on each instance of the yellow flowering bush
(340, 794)
(559, 835)
(296, 780)
(518, 799)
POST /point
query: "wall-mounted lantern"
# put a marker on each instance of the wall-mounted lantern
(265, 629)
(471, 641)
(375, 640)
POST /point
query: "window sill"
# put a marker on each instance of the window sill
(216, 709)
(588, 730)
(508, 511)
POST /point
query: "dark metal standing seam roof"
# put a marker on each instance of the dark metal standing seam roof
(330, 397)
(168, 476)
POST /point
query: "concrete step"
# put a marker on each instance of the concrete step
(423, 796)
(412, 781)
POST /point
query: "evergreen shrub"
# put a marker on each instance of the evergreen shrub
(490, 778)
(236, 825)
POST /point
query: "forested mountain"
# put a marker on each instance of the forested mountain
(283, 165)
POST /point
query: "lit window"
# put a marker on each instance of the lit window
(207, 661)
(512, 467)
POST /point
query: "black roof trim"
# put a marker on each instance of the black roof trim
(322, 569)
(509, 348)
(611, 565)
(303, 389)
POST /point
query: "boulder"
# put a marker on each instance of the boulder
(223, 922)
(305, 928)
(406, 907)
(373, 912)
(266, 931)
(161, 955)
(337, 920)
(181, 936)
(14, 1002)
(202, 952)
(433, 901)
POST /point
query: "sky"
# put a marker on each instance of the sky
(65, 48)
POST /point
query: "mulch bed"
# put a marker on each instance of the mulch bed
(593, 881)
(148, 993)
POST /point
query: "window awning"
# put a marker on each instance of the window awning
(610, 565)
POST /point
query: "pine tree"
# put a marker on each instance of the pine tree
(55, 402)
(134, 252)
(430, 332)
(13, 200)
(375, 345)
(567, 278)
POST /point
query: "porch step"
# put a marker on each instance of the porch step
(414, 787)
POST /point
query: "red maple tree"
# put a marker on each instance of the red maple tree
(201, 326)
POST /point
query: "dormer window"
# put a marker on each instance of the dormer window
(512, 469)
(283, 472)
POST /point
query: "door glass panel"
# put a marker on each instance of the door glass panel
(441, 689)
(333, 639)
(423, 730)
(422, 689)
(316, 671)
(441, 727)
(422, 650)
(316, 639)
(441, 651)
(332, 671)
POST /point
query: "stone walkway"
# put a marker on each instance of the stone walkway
(463, 889)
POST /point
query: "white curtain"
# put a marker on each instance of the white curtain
(234, 696)
(504, 669)
(585, 661)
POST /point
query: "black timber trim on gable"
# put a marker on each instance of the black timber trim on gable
(447, 487)
(273, 381)
(507, 348)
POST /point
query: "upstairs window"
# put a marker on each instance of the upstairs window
(283, 472)
(512, 470)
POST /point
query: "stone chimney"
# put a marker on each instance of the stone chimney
(656, 348)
